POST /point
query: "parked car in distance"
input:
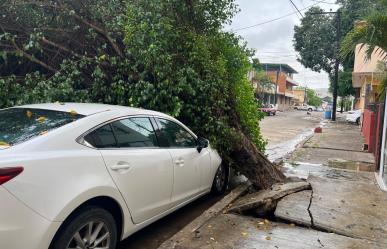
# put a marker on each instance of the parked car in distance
(354, 116)
(89, 175)
(268, 109)
(305, 107)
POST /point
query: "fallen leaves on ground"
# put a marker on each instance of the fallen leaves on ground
(244, 234)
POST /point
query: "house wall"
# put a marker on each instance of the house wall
(284, 103)
(299, 96)
(364, 65)
(281, 79)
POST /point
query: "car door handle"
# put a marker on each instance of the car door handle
(179, 162)
(120, 166)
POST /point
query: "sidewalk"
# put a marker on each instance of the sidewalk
(343, 207)
(340, 145)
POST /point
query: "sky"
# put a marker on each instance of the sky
(273, 41)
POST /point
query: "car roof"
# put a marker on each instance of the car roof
(87, 109)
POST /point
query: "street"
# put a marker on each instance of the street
(287, 129)
(282, 131)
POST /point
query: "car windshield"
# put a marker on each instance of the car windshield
(20, 124)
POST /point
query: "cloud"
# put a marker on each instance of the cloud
(273, 41)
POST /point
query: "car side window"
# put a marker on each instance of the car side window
(175, 135)
(102, 137)
(134, 132)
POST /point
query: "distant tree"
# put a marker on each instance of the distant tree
(313, 98)
(265, 84)
(344, 87)
(315, 38)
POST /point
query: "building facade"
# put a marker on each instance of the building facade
(282, 76)
(300, 96)
(366, 78)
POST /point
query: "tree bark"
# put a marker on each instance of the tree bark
(255, 166)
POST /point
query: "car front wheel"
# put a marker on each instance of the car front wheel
(219, 185)
(90, 228)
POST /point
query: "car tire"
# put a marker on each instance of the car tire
(220, 183)
(310, 109)
(273, 113)
(358, 121)
(97, 220)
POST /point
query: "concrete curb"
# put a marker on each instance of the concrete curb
(210, 213)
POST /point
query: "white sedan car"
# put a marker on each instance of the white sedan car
(89, 175)
(354, 116)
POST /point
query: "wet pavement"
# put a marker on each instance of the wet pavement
(288, 129)
(229, 231)
(340, 145)
(154, 235)
(348, 203)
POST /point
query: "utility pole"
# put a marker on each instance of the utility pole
(305, 95)
(337, 58)
(276, 85)
(337, 64)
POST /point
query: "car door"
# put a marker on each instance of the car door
(191, 167)
(142, 171)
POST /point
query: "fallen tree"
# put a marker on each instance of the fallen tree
(170, 56)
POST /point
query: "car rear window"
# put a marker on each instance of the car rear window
(20, 124)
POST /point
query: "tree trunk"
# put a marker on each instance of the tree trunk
(342, 105)
(254, 165)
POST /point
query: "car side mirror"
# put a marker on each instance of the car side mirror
(202, 143)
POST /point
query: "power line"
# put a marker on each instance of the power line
(275, 19)
(295, 6)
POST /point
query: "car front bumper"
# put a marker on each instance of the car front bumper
(21, 227)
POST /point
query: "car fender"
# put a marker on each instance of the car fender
(96, 192)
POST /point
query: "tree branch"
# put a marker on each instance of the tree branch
(102, 32)
(32, 58)
(61, 47)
